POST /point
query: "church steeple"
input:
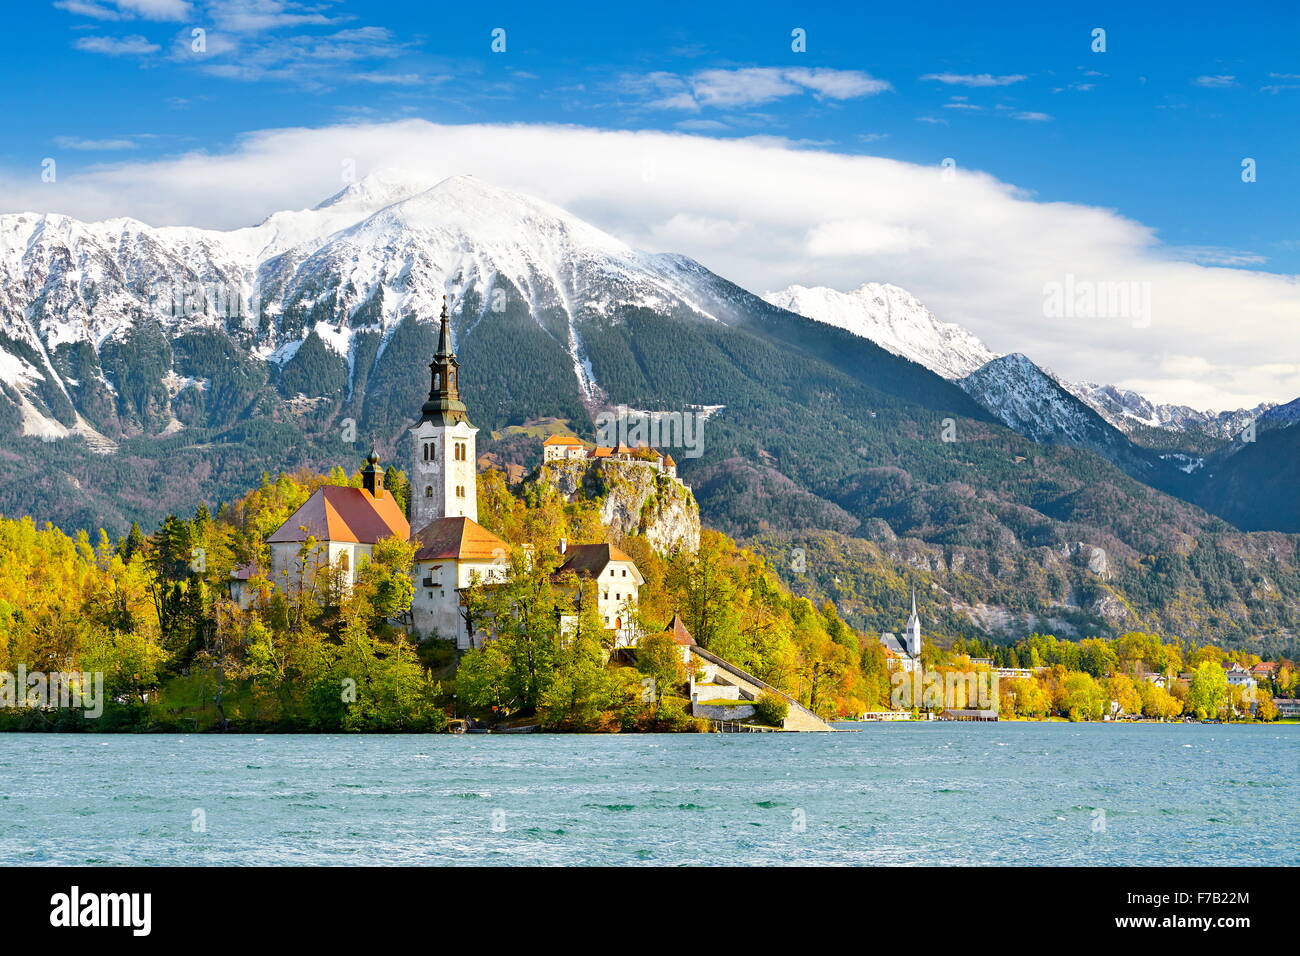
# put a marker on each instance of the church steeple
(444, 406)
(372, 476)
(912, 635)
(443, 471)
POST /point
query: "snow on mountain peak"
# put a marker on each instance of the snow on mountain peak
(380, 188)
(895, 320)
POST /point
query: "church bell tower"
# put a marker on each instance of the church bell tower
(443, 476)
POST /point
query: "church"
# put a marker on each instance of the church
(905, 653)
(453, 549)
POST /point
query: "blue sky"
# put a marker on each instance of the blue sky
(1156, 127)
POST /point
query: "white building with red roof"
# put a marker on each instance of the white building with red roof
(563, 448)
(336, 526)
(618, 584)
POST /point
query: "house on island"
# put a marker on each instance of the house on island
(618, 584)
(453, 553)
(719, 690)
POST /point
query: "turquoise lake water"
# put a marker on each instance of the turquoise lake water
(939, 794)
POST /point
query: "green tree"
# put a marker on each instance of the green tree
(659, 658)
(1208, 691)
(1082, 697)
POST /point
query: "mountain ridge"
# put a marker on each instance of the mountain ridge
(897, 320)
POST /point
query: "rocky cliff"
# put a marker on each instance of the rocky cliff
(634, 499)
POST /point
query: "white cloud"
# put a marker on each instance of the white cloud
(749, 86)
(1215, 256)
(256, 16)
(862, 237)
(77, 142)
(766, 214)
(975, 79)
(1215, 82)
(156, 9)
(1031, 117)
(396, 79)
(838, 84)
(117, 46)
(128, 9)
(311, 61)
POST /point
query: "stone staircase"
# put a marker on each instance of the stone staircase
(725, 681)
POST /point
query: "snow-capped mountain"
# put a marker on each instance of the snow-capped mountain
(1029, 400)
(73, 294)
(894, 319)
(1283, 416)
(1127, 409)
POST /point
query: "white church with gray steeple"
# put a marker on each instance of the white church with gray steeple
(905, 653)
(442, 482)
(453, 549)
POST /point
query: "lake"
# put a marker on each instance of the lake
(946, 794)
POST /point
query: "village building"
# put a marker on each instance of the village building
(1288, 707)
(1239, 676)
(1265, 671)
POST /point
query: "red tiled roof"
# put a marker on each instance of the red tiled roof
(562, 440)
(335, 513)
(678, 630)
(463, 539)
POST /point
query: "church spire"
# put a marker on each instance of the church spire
(444, 405)
(912, 634)
(372, 476)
